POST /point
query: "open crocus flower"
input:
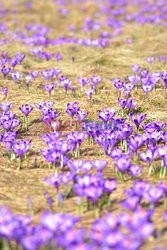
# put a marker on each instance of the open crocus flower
(20, 57)
(123, 163)
(6, 106)
(57, 72)
(5, 71)
(49, 88)
(83, 81)
(72, 109)
(21, 148)
(96, 80)
(66, 84)
(13, 62)
(107, 115)
(47, 74)
(89, 93)
(137, 119)
(16, 77)
(8, 139)
(150, 60)
(135, 68)
(81, 115)
(34, 74)
(135, 142)
(147, 88)
(26, 109)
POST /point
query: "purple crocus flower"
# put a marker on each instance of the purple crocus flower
(144, 73)
(20, 57)
(13, 62)
(118, 83)
(107, 115)
(148, 156)
(164, 78)
(5, 71)
(96, 80)
(123, 163)
(100, 165)
(137, 119)
(110, 185)
(26, 109)
(81, 115)
(49, 88)
(90, 93)
(134, 79)
(16, 77)
(147, 88)
(5, 91)
(150, 60)
(59, 56)
(135, 68)
(131, 203)
(72, 109)
(34, 74)
(136, 142)
(83, 81)
(8, 139)
(154, 194)
(128, 87)
(47, 74)
(135, 170)
(57, 72)
(66, 84)
(51, 155)
(131, 104)
(22, 147)
(6, 106)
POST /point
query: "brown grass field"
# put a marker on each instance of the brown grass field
(113, 61)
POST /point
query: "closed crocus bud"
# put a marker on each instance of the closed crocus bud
(5, 91)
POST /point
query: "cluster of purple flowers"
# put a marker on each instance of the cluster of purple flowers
(131, 142)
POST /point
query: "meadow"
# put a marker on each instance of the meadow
(68, 69)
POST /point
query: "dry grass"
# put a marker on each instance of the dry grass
(114, 61)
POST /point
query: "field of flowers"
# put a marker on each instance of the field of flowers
(83, 124)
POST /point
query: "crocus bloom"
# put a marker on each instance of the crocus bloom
(135, 68)
(26, 109)
(5, 71)
(49, 88)
(34, 74)
(150, 59)
(107, 115)
(81, 115)
(83, 81)
(16, 76)
(72, 109)
(123, 163)
(66, 84)
(6, 106)
(59, 56)
(5, 91)
(137, 119)
(22, 147)
(148, 156)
